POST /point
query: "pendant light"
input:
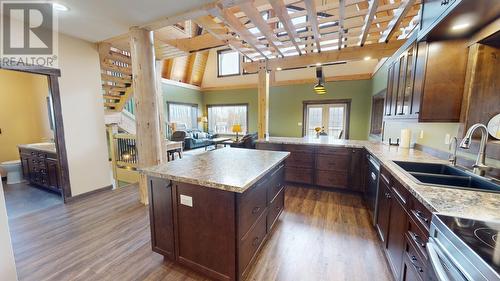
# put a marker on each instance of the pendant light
(319, 88)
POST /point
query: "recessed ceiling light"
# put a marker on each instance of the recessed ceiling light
(318, 64)
(367, 58)
(460, 26)
(278, 68)
(60, 7)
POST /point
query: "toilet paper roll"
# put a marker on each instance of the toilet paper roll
(405, 138)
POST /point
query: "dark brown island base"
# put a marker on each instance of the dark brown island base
(213, 212)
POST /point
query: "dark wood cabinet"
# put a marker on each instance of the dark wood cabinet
(402, 225)
(426, 82)
(384, 211)
(41, 168)
(215, 232)
(325, 166)
(161, 216)
(395, 238)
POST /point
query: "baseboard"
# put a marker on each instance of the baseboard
(87, 194)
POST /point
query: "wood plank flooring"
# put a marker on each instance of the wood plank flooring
(320, 236)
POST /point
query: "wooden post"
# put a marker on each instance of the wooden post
(149, 138)
(161, 111)
(112, 130)
(263, 93)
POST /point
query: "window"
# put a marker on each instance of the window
(221, 118)
(295, 21)
(228, 63)
(332, 116)
(185, 115)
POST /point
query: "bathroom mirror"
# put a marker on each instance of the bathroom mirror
(494, 126)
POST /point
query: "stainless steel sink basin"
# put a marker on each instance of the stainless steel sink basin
(447, 176)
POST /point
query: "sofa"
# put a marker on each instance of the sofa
(196, 138)
(247, 141)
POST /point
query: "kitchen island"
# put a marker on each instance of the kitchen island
(213, 212)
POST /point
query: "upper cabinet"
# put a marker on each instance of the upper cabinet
(426, 82)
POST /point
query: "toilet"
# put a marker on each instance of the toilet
(14, 171)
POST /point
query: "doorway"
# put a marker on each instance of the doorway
(330, 116)
(32, 137)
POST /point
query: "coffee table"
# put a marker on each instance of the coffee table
(215, 142)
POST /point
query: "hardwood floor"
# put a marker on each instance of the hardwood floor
(320, 236)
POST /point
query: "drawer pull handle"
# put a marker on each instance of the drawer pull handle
(255, 210)
(382, 176)
(417, 239)
(420, 215)
(255, 241)
(414, 261)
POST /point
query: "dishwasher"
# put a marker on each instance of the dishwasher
(372, 191)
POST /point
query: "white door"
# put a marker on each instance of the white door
(330, 117)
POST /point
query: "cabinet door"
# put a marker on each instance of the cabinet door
(395, 239)
(419, 76)
(53, 173)
(161, 216)
(357, 171)
(409, 80)
(384, 211)
(401, 84)
(25, 163)
(388, 94)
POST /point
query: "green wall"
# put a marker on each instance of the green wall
(285, 105)
(173, 93)
(248, 96)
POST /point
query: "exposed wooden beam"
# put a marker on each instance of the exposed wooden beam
(312, 15)
(375, 51)
(190, 68)
(341, 22)
(180, 17)
(196, 43)
(235, 24)
(254, 15)
(263, 102)
(220, 32)
(399, 15)
(372, 9)
(282, 13)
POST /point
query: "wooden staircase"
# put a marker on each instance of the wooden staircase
(116, 77)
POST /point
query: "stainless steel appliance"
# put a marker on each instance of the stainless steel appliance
(372, 191)
(463, 249)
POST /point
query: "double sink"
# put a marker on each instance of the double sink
(447, 176)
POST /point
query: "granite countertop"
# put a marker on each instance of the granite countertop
(49, 147)
(229, 169)
(454, 202)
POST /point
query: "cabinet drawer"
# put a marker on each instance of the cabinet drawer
(298, 148)
(414, 258)
(417, 237)
(385, 176)
(402, 194)
(269, 146)
(250, 244)
(300, 160)
(299, 175)
(251, 204)
(277, 183)
(336, 179)
(333, 162)
(421, 215)
(275, 209)
(333, 150)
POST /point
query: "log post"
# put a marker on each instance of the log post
(263, 96)
(149, 139)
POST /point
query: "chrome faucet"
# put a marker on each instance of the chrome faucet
(453, 147)
(480, 165)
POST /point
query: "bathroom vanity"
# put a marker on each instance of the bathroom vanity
(41, 166)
